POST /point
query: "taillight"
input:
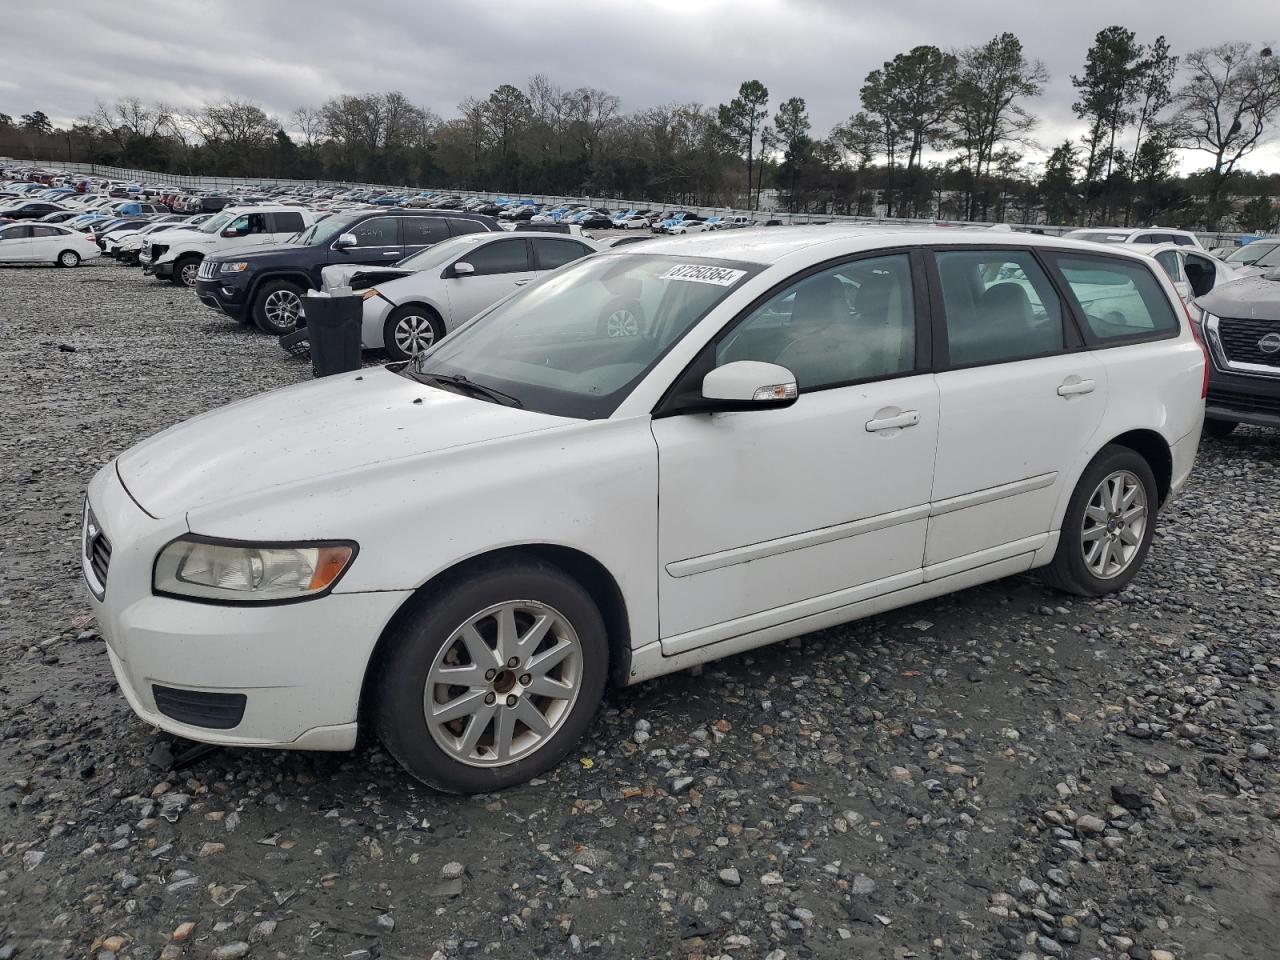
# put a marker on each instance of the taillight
(1204, 349)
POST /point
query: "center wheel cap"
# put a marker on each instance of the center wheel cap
(504, 682)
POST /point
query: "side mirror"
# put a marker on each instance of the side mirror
(462, 269)
(345, 240)
(749, 385)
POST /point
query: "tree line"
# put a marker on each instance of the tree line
(937, 133)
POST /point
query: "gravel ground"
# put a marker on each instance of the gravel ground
(1002, 773)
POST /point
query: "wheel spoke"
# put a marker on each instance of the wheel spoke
(1134, 513)
(1094, 533)
(1115, 487)
(533, 637)
(526, 712)
(544, 686)
(1132, 494)
(1097, 515)
(471, 675)
(480, 652)
(508, 637)
(504, 732)
(475, 729)
(458, 707)
(1129, 536)
(549, 659)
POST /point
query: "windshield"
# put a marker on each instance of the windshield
(577, 342)
(217, 223)
(1255, 253)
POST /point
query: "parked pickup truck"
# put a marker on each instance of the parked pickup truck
(176, 254)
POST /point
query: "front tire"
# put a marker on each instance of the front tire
(277, 307)
(1219, 429)
(493, 678)
(185, 270)
(1108, 527)
(68, 258)
(411, 330)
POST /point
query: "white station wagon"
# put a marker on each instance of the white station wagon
(811, 425)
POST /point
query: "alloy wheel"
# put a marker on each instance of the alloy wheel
(414, 334)
(503, 683)
(1115, 520)
(282, 308)
(188, 274)
(622, 323)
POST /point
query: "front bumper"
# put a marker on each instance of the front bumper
(299, 667)
(1243, 398)
(158, 268)
(219, 296)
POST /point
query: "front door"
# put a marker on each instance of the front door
(498, 268)
(768, 516)
(377, 241)
(1018, 404)
(15, 243)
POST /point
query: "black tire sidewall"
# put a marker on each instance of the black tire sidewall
(1109, 460)
(259, 312)
(394, 317)
(419, 635)
(178, 266)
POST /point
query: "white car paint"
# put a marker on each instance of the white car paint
(34, 242)
(1128, 235)
(200, 243)
(1174, 258)
(760, 524)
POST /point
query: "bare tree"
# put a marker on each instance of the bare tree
(1227, 104)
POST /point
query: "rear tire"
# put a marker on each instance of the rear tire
(458, 630)
(68, 258)
(1108, 527)
(410, 330)
(277, 307)
(185, 270)
(1220, 428)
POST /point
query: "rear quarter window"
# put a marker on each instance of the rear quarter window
(1120, 301)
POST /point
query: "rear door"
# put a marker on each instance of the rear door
(1020, 397)
(419, 233)
(549, 253)
(284, 224)
(499, 268)
(46, 242)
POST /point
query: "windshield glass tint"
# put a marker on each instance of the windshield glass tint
(1251, 252)
(323, 231)
(576, 343)
(440, 254)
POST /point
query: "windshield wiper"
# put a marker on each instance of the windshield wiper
(458, 381)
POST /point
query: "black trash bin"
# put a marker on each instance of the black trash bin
(333, 327)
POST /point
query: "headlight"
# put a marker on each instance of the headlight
(238, 267)
(197, 568)
(369, 294)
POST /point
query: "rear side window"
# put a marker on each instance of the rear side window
(288, 222)
(999, 306)
(1169, 260)
(556, 253)
(1120, 301)
(423, 231)
(1183, 241)
(466, 226)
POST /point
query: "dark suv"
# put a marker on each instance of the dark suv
(1241, 325)
(266, 284)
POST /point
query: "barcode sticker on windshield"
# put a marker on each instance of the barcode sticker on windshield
(720, 276)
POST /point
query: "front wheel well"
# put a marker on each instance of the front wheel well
(585, 569)
(1155, 450)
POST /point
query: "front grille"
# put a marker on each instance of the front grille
(97, 553)
(216, 711)
(157, 250)
(207, 270)
(1243, 340)
(1244, 402)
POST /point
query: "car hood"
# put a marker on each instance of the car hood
(268, 252)
(174, 237)
(309, 434)
(342, 274)
(1249, 298)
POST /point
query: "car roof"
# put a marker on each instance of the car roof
(768, 245)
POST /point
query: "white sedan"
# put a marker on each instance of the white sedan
(431, 293)
(45, 243)
(464, 553)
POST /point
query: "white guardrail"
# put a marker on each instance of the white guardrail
(152, 178)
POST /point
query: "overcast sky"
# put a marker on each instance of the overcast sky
(60, 57)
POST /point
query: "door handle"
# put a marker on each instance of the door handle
(1073, 386)
(391, 253)
(521, 283)
(907, 418)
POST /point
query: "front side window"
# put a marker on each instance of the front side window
(1120, 300)
(999, 306)
(848, 323)
(576, 343)
(15, 233)
(378, 232)
(501, 256)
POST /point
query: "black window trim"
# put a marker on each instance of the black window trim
(1072, 339)
(678, 397)
(1092, 340)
